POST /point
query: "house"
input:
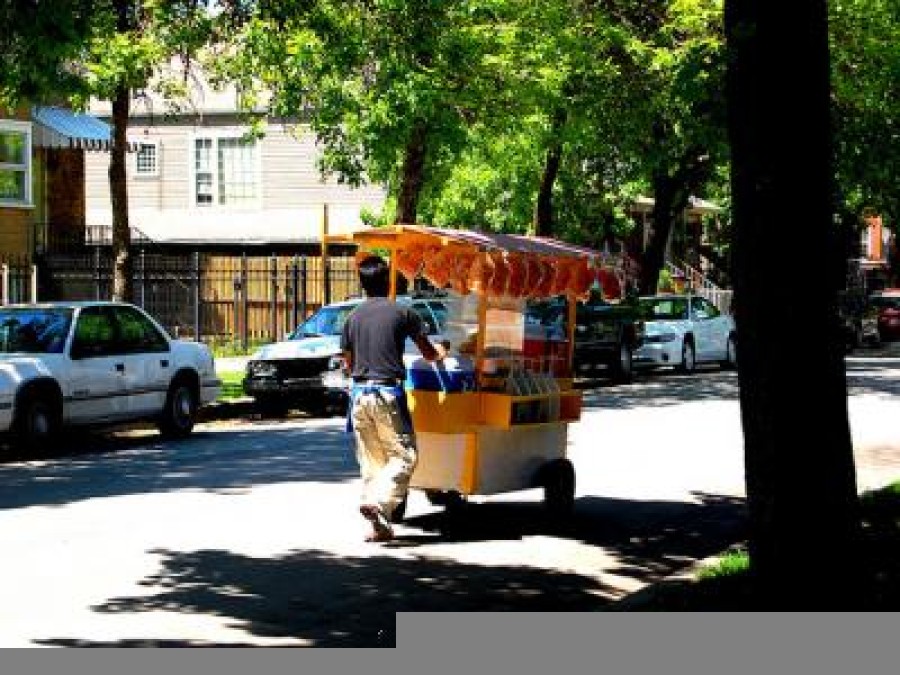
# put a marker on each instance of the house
(41, 185)
(197, 179)
(16, 189)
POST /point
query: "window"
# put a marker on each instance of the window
(15, 163)
(137, 334)
(226, 171)
(34, 331)
(146, 159)
(95, 334)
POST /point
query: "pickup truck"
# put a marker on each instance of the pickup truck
(606, 334)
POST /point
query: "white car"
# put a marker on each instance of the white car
(304, 369)
(79, 363)
(684, 330)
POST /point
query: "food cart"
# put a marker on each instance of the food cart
(493, 416)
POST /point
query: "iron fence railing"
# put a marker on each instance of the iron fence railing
(208, 296)
(18, 281)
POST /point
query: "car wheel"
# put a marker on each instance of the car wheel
(36, 426)
(558, 480)
(623, 368)
(730, 361)
(180, 412)
(688, 357)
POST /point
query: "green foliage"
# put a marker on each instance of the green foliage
(866, 103)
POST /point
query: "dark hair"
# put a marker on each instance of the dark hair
(374, 276)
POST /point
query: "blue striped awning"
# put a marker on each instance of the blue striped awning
(61, 128)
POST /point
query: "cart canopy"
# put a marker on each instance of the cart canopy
(507, 265)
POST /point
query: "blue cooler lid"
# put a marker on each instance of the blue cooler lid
(453, 374)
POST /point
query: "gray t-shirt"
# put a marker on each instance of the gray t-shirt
(375, 333)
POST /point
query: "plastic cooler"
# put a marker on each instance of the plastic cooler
(453, 374)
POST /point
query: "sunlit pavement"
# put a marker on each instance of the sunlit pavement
(247, 533)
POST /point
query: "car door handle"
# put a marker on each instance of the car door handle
(164, 363)
(120, 367)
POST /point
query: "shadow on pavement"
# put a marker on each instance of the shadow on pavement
(664, 389)
(214, 461)
(324, 600)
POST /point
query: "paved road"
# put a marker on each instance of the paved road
(246, 533)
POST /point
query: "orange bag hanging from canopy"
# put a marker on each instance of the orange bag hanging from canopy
(479, 273)
(462, 266)
(583, 276)
(545, 285)
(409, 262)
(438, 267)
(499, 275)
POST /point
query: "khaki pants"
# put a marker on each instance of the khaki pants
(385, 449)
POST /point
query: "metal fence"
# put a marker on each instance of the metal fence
(208, 296)
(18, 281)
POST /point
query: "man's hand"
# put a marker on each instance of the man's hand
(441, 349)
(432, 352)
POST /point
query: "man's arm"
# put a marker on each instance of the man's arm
(431, 352)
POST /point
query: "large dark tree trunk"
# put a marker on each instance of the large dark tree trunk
(801, 483)
(118, 187)
(543, 208)
(412, 176)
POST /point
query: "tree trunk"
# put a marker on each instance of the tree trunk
(667, 206)
(801, 483)
(543, 208)
(412, 176)
(118, 188)
(671, 196)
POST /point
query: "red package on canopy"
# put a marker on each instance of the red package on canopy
(561, 275)
(583, 276)
(499, 274)
(545, 285)
(518, 275)
(533, 275)
(609, 283)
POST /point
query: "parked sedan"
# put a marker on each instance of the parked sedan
(96, 363)
(684, 330)
(304, 370)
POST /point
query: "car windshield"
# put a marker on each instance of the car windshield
(327, 321)
(34, 330)
(663, 309)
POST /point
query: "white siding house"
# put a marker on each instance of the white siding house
(196, 179)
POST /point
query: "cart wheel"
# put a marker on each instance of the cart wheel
(558, 479)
